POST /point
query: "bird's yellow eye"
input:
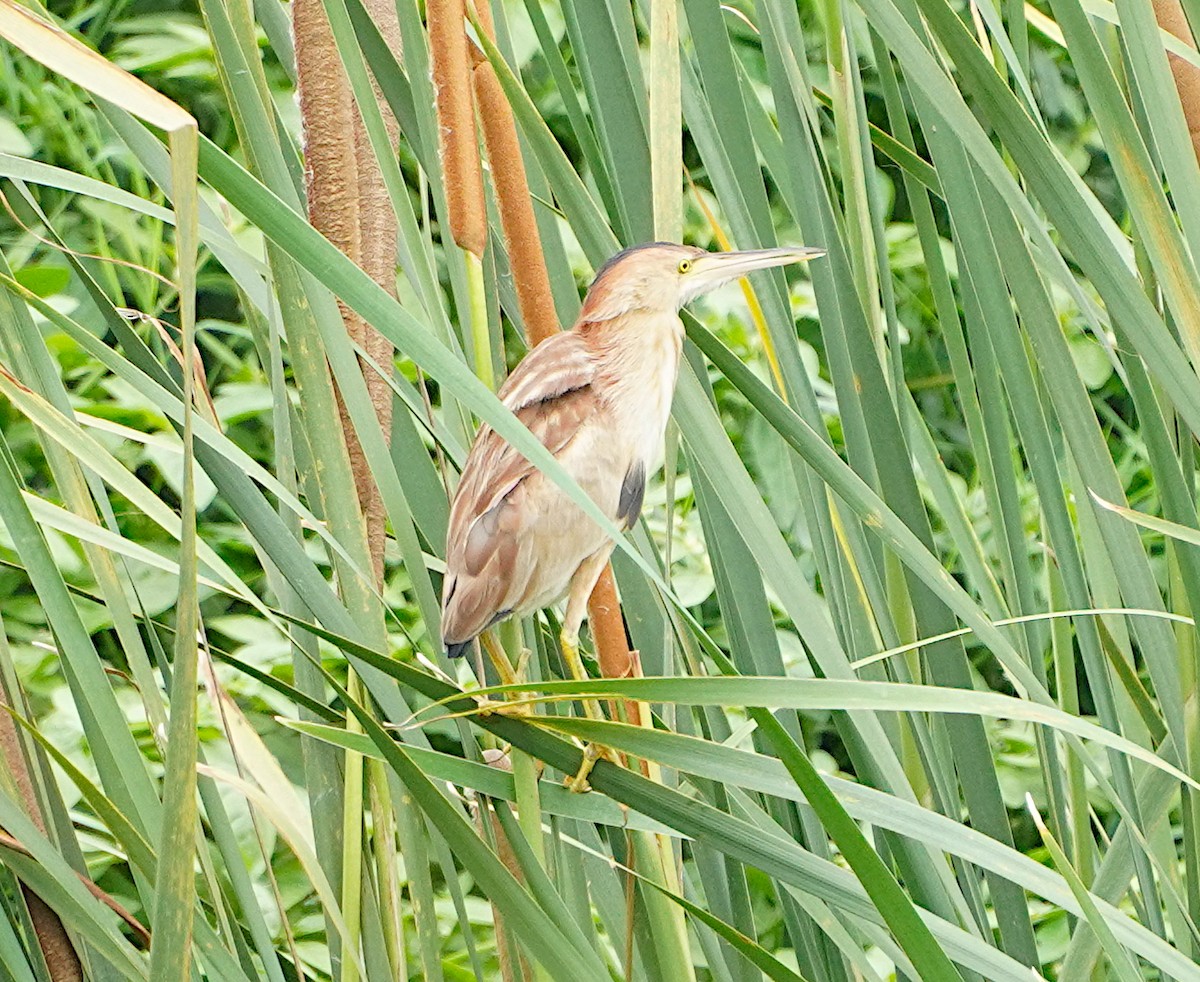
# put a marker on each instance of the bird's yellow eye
(684, 265)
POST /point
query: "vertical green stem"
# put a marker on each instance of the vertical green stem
(525, 768)
(667, 923)
(529, 802)
(175, 894)
(352, 844)
(481, 337)
(384, 836)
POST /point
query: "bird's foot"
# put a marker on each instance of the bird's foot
(592, 752)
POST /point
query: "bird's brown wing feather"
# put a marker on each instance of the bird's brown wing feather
(551, 393)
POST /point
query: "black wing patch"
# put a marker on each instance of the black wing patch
(633, 490)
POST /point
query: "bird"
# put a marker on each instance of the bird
(598, 397)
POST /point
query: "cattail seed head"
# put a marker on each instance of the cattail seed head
(459, 148)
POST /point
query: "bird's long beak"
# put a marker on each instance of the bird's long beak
(715, 268)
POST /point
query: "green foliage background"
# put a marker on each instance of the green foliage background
(985, 410)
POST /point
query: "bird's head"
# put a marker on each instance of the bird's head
(661, 277)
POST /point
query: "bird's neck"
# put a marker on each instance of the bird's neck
(635, 345)
(638, 361)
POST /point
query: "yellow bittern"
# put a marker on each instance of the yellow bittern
(598, 398)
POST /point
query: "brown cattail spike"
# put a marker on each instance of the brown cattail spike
(446, 21)
(325, 104)
(377, 227)
(1187, 76)
(515, 205)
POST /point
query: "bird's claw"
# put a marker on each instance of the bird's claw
(592, 752)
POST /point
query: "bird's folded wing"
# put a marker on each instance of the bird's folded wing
(551, 393)
(499, 469)
(560, 364)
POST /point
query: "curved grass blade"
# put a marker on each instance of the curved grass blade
(793, 693)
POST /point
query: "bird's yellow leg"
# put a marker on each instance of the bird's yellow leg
(592, 752)
(507, 677)
(498, 658)
(570, 650)
(582, 583)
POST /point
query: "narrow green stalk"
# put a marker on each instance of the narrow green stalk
(352, 845)
(529, 817)
(175, 894)
(384, 844)
(668, 925)
(525, 776)
(481, 336)
(525, 768)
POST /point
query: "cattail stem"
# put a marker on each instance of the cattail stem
(377, 227)
(349, 204)
(608, 629)
(481, 336)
